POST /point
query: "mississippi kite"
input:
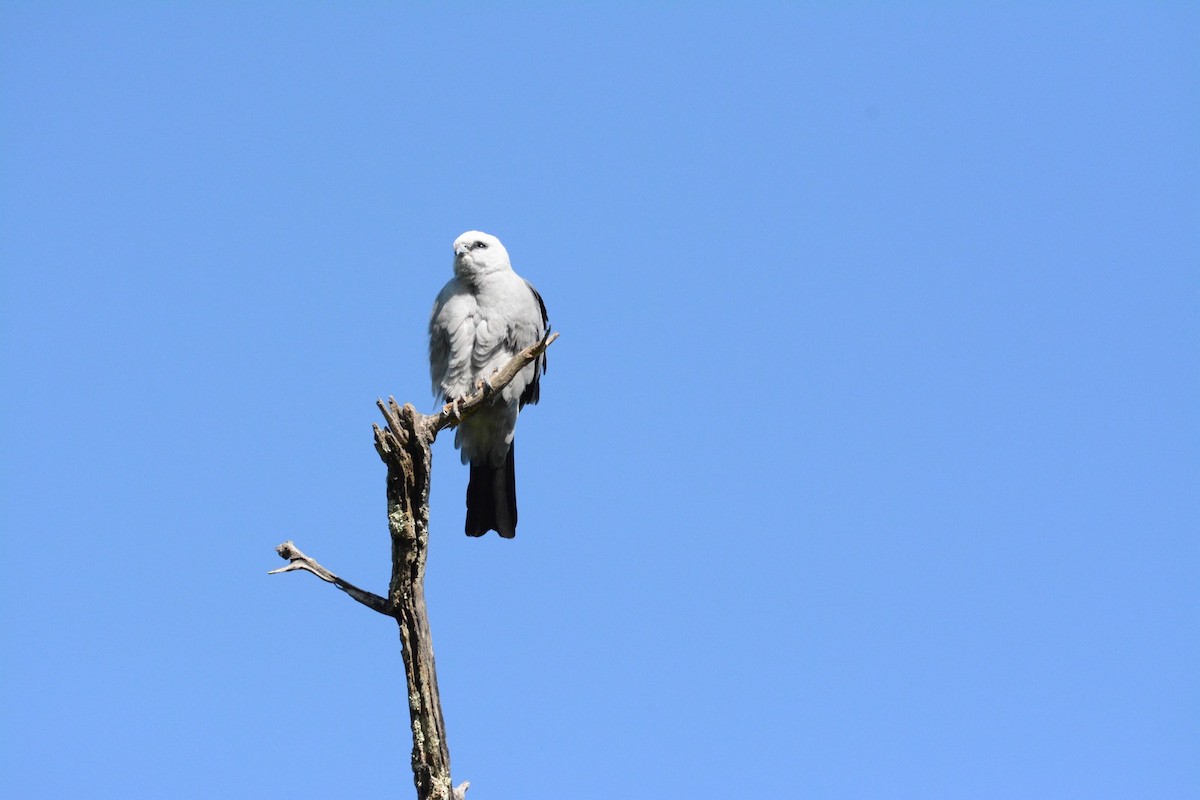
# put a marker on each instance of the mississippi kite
(483, 317)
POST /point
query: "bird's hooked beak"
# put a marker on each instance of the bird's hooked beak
(461, 250)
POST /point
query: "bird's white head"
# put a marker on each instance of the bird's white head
(477, 254)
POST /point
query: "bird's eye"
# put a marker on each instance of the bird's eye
(481, 245)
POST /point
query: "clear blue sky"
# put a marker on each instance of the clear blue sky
(867, 465)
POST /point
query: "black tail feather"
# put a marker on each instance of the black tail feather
(492, 498)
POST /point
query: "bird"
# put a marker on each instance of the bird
(484, 316)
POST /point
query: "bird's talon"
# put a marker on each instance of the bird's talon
(485, 385)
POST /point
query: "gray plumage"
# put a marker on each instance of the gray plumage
(483, 317)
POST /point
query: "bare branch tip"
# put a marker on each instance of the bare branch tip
(290, 553)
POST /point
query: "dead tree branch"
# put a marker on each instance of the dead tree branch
(404, 446)
(298, 560)
(469, 405)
